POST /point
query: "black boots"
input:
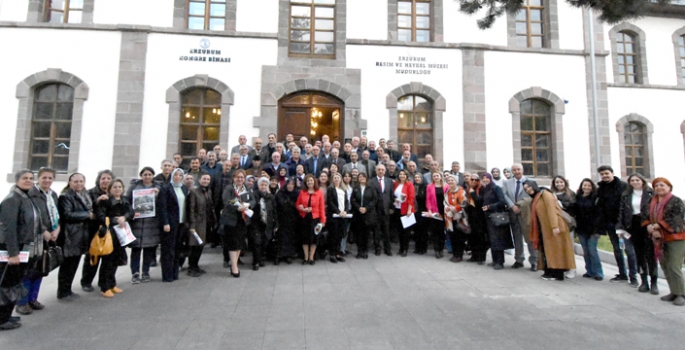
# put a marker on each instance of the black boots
(644, 287)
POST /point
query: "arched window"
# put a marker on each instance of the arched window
(200, 120)
(206, 14)
(536, 138)
(414, 20)
(415, 123)
(530, 24)
(53, 106)
(634, 143)
(312, 28)
(627, 57)
(681, 55)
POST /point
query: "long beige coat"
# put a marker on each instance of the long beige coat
(558, 249)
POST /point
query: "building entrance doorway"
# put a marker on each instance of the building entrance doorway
(310, 114)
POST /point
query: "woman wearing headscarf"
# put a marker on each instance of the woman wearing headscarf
(97, 194)
(312, 208)
(637, 196)
(478, 239)
(45, 200)
(237, 199)
(497, 177)
(420, 229)
(454, 215)
(146, 230)
(21, 226)
(264, 223)
(507, 173)
(435, 205)
(274, 185)
(664, 222)
(549, 233)
(566, 197)
(118, 210)
(201, 220)
(77, 219)
(288, 218)
(364, 201)
(500, 236)
(172, 199)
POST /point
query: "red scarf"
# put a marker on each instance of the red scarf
(656, 214)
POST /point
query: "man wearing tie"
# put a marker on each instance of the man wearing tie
(335, 159)
(354, 164)
(245, 161)
(515, 195)
(384, 187)
(315, 163)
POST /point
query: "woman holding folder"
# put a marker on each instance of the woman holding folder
(404, 207)
(337, 207)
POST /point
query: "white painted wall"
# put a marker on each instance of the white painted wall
(459, 27)
(378, 82)
(660, 55)
(570, 27)
(664, 109)
(257, 16)
(13, 10)
(96, 63)
(156, 13)
(164, 69)
(502, 83)
(367, 19)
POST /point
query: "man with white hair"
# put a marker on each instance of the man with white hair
(242, 140)
(515, 196)
(294, 160)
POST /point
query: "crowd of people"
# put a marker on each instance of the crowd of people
(284, 201)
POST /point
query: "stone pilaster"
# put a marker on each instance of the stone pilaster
(473, 80)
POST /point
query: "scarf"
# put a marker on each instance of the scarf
(499, 172)
(179, 184)
(656, 214)
(37, 248)
(452, 199)
(237, 195)
(85, 198)
(52, 208)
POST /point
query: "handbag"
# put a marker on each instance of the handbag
(100, 246)
(463, 226)
(570, 220)
(52, 258)
(499, 219)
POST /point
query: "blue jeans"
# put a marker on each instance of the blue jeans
(33, 288)
(593, 265)
(618, 254)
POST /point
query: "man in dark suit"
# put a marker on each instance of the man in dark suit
(335, 159)
(315, 163)
(386, 199)
(407, 148)
(369, 163)
(242, 141)
(245, 159)
(274, 167)
(269, 149)
(455, 171)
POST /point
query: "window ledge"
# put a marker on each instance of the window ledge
(136, 28)
(647, 86)
(58, 177)
(473, 46)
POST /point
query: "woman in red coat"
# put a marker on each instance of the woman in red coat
(404, 206)
(312, 209)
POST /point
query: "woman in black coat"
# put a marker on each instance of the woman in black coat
(338, 205)
(78, 220)
(237, 199)
(584, 209)
(264, 223)
(420, 228)
(635, 199)
(21, 225)
(201, 221)
(119, 211)
(478, 239)
(500, 236)
(97, 194)
(288, 218)
(364, 200)
(173, 216)
(146, 230)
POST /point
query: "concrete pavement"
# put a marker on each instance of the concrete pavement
(417, 302)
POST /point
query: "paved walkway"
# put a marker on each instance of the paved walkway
(416, 302)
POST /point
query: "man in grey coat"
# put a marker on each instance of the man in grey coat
(514, 194)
